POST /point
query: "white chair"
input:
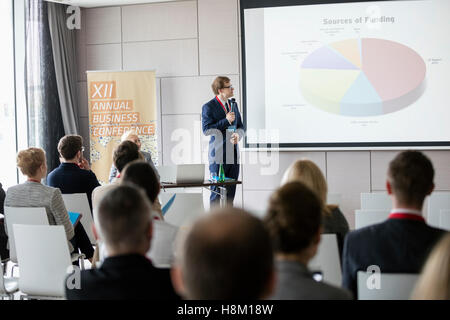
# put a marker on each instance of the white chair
(393, 286)
(364, 218)
(8, 286)
(22, 215)
(78, 202)
(46, 279)
(327, 260)
(437, 201)
(444, 220)
(185, 209)
(334, 198)
(162, 244)
(376, 201)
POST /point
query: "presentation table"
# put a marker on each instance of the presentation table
(205, 184)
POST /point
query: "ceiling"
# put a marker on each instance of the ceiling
(104, 3)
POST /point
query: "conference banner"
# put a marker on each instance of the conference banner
(120, 101)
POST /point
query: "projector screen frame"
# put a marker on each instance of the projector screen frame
(319, 146)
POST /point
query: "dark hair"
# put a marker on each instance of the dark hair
(69, 145)
(124, 216)
(124, 153)
(219, 83)
(142, 174)
(293, 217)
(411, 176)
(227, 255)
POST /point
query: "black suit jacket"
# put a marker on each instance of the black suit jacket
(70, 178)
(395, 245)
(124, 277)
(215, 124)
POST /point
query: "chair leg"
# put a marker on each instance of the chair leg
(12, 269)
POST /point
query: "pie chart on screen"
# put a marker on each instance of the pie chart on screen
(362, 77)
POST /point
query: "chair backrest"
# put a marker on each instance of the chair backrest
(376, 201)
(437, 201)
(334, 198)
(444, 220)
(393, 286)
(22, 215)
(162, 244)
(364, 218)
(2, 281)
(185, 209)
(78, 202)
(327, 260)
(44, 257)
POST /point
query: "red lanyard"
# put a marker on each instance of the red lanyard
(406, 216)
(33, 180)
(224, 109)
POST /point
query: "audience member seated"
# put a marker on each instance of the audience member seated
(132, 136)
(125, 225)
(124, 153)
(226, 255)
(294, 222)
(4, 252)
(73, 174)
(434, 282)
(142, 174)
(309, 173)
(32, 193)
(402, 243)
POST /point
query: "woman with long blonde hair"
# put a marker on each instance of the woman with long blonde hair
(434, 281)
(309, 173)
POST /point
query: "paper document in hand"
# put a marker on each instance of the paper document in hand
(162, 248)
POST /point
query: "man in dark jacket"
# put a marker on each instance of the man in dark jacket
(125, 226)
(402, 243)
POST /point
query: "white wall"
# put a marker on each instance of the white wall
(189, 43)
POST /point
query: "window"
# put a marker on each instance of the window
(8, 141)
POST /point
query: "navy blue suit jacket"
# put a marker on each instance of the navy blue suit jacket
(125, 277)
(70, 178)
(215, 124)
(395, 245)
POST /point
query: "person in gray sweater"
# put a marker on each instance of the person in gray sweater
(333, 220)
(33, 193)
(294, 220)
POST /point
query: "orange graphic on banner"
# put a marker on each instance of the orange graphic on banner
(98, 131)
(102, 90)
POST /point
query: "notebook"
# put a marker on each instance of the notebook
(75, 217)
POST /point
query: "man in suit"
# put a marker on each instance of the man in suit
(402, 243)
(125, 226)
(222, 121)
(294, 219)
(73, 174)
(226, 255)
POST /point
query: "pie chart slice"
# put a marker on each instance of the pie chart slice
(362, 77)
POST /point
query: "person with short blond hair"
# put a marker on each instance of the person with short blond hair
(132, 135)
(32, 193)
(309, 173)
